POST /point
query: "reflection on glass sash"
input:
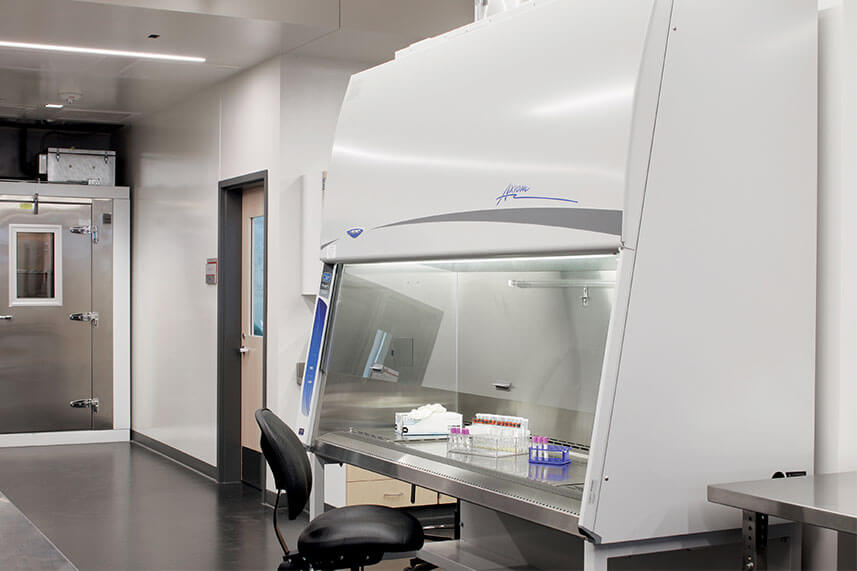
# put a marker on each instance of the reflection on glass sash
(382, 333)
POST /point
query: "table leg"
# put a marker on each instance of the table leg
(316, 495)
(755, 528)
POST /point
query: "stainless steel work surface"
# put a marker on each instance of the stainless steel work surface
(508, 484)
(23, 546)
(518, 466)
(825, 500)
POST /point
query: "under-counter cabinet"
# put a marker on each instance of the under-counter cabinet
(365, 487)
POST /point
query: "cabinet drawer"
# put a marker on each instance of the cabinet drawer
(355, 474)
(392, 493)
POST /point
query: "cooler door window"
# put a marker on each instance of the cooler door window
(35, 265)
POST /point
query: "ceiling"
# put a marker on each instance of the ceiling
(231, 35)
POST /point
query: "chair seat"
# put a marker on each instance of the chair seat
(358, 535)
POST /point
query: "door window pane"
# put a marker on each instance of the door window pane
(35, 261)
(35, 252)
(257, 272)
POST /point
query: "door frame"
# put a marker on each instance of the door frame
(229, 274)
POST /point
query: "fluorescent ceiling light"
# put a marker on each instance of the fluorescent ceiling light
(98, 51)
(54, 105)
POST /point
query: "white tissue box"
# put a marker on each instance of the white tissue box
(435, 425)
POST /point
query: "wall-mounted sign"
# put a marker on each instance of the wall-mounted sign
(211, 271)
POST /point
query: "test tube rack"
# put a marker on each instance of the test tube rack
(541, 452)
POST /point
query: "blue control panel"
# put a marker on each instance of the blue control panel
(314, 354)
(316, 342)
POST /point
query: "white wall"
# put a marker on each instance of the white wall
(173, 168)
(176, 159)
(249, 123)
(836, 371)
(311, 93)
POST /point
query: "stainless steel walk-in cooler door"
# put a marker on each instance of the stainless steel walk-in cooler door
(47, 316)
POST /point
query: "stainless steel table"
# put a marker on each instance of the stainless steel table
(826, 500)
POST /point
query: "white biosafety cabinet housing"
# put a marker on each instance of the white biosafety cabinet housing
(625, 192)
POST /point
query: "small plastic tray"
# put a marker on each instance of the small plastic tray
(549, 473)
(551, 454)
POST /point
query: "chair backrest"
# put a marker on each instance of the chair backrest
(287, 458)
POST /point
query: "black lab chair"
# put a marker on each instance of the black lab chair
(343, 538)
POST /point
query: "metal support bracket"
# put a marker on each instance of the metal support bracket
(755, 531)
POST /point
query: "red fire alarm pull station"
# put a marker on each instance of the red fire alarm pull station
(211, 271)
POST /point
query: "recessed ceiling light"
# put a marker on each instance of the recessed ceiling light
(98, 51)
(54, 105)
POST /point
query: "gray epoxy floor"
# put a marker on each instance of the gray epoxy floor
(123, 507)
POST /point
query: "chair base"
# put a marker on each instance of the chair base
(296, 562)
(417, 564)
(293, 563)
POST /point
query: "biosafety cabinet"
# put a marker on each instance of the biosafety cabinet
(599, 216)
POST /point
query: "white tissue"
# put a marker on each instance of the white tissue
(426, 411)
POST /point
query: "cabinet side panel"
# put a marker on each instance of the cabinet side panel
(717, 366)
(639, 156)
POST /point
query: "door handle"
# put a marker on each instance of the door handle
(242, 349)
(5, 318)
(85, 403)
(91, 316)
(91, 230)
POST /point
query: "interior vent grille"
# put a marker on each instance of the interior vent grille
(93, 115)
